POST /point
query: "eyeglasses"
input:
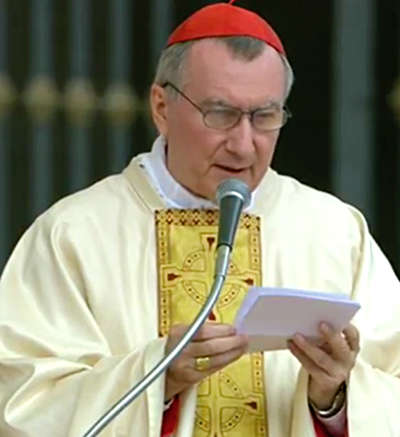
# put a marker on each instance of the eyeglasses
(226, 117)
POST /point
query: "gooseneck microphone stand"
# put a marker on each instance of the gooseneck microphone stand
(219, 279)
(234, 192)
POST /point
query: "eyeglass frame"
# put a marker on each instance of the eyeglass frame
(285, 109)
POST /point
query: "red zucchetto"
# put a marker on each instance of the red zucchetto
(225, 19)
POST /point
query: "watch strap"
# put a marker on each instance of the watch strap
(337, 404)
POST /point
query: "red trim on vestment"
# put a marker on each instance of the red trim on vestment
(320, 430)
(170, 419)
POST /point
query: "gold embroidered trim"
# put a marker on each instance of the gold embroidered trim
(231, 403)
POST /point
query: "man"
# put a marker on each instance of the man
(105, 283)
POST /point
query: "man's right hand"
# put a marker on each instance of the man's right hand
(218, 342)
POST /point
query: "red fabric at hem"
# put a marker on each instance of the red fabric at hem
(170, 419)
(320, 430)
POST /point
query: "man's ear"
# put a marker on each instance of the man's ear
(159, 108)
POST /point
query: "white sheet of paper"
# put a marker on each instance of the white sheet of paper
(271, 316)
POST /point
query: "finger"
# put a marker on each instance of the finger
(328, 382)
(216, 346)
(214, 330)
(339, 347)
(309, 365)
(220, 361)
(352, 337)
(177, 330)
(315, 355)
(208, 330)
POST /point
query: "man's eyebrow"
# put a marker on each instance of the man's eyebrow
(216, 102)
(272, 104)
(269, 104)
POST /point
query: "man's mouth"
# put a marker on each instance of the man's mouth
(230, 169)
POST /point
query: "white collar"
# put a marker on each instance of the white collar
(171, 191)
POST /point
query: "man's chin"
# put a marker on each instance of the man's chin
(211, 192)
(242, 177)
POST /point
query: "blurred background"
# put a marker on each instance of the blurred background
(74, 82)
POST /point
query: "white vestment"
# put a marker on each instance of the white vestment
(79, 311)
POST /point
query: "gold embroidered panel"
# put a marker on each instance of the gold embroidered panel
(231, 402)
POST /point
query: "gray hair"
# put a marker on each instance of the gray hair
(171, 65)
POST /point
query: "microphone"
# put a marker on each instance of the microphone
(232, 196)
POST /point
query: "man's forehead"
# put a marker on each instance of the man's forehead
(214, 51)
(212, 60)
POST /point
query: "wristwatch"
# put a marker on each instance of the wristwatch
(337, 404)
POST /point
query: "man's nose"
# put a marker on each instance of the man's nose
(241, 136)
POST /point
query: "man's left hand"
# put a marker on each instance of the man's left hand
(329, 364)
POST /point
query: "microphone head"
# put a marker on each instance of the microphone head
(233, 187)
